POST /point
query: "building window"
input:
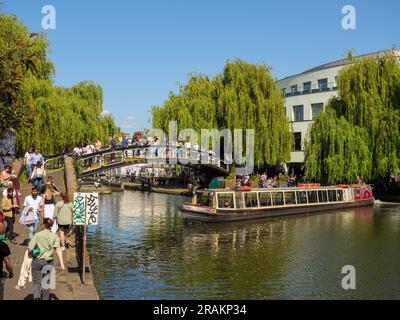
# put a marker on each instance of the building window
(294, 89)
(284, 91)
(323, 84)
(297, 141)
(298, 112)
(316, 109)
(307, 87)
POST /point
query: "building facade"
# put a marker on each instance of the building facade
(306, 96)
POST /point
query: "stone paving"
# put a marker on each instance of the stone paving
(68, 282)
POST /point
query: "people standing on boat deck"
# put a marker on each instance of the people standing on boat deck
(32, 208)
(28, 162)
(63, 216)
(6, 176)
(5, 259)
(42, 248)
(10, 207)
(38, 175)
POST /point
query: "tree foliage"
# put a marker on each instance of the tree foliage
(358, 135)
(49, 117)
(243, 96)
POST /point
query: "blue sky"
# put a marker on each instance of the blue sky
(139, 51)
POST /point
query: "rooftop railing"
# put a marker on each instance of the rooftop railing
(290, 92)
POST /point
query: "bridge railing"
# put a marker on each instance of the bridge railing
(146, 154)
(54, 162)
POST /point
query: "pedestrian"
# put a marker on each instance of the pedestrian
(6, 259)
(113, 147)
(32, 205)
(63, 216)
(10, 207)
(77, 150)
(28, 162)
(16, 193)
(124, 145)
(42, 248)
(97, 145)
(38, 175)
(50, 181)
(7, 175)
(36, 158)
(48, 205)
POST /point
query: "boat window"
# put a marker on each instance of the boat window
(332, 195)
(301, 197)
(312, 197)
(277, 198)
(225, 200)
(265, 199)
(290, 198)
(340, 196)
(239, 200)
(322, 196)
(205, 198)
(250, 199)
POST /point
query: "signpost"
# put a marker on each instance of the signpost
(86, 212)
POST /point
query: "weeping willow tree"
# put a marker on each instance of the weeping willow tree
(22, 55)
(358, 134)
(61, 118)
(49, 117)
(243, 96)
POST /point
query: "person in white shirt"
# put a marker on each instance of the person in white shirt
(33, 203)
(28, 162)
(77, 151)
(15, 193)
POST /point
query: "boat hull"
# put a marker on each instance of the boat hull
(262, 213)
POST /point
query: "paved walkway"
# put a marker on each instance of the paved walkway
(68, 282)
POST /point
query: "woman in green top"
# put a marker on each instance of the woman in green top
(63, 216)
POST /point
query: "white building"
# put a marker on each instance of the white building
(306, 95)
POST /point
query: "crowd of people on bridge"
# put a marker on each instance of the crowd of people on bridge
(44, 205)
(181, 149)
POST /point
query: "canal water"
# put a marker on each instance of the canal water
(142, 249)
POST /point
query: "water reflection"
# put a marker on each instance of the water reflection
(143, 250)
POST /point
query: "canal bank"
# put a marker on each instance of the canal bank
(108, 188)
(68, 282)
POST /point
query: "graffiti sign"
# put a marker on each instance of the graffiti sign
(86, 209)
(7, 148)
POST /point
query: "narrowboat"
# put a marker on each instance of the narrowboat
(221, 205)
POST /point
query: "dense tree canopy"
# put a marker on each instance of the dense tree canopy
(358, 135)
(51, 118)
(243, 96)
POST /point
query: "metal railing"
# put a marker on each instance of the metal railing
(289, 92)
(147, 154)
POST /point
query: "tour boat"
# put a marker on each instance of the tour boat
(221, 205)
